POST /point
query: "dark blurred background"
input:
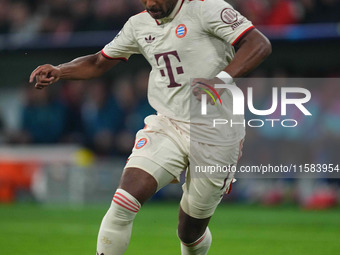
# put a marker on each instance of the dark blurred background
(95, 121)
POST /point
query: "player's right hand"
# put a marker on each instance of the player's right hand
(199, 85)
(45, 75)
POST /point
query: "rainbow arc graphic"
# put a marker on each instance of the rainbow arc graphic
(209, 93)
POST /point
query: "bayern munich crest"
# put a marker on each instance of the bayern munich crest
(229, 16)
(181, 31)
(141, 143)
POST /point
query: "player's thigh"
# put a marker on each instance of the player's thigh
(157, 153)
(209, 176)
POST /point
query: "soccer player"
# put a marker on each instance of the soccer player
(182, 40)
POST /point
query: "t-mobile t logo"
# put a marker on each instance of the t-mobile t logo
(179, 70)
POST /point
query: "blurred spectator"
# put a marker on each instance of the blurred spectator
(142, 107)
(21, 24)
(62, 16)
(102, 118)
(1, 130)
(131, 95)
(321, 11)
(43, 118)
(110, 15)
(329, 103)
(72, 94)
(255, 10)
(283, 12)
(83, 17)
(4, 19)
(124, 94)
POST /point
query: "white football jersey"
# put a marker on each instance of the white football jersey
(195, 41)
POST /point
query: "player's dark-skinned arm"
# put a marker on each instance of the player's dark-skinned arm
(254, 47)
(82, 68)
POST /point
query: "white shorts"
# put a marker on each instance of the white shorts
(164, 150)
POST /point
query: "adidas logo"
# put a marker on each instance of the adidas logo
(149, 39)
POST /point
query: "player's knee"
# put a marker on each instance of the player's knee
(188, 235)
(198, 209)
(123, 209)
(190, 229)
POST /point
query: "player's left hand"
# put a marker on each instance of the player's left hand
(200, 85)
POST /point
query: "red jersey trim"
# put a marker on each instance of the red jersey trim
(243, 34)
(179, 8)
(108, 57)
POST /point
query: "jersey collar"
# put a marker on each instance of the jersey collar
(172, 14)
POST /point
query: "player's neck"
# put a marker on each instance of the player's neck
(173, 12)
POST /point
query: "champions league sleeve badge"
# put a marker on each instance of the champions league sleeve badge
(229, 16)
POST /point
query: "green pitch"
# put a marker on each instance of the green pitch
(236, 229)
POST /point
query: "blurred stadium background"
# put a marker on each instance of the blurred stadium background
(62, 150)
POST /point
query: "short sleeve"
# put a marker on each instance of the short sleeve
(123, 45)
(222, 20)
